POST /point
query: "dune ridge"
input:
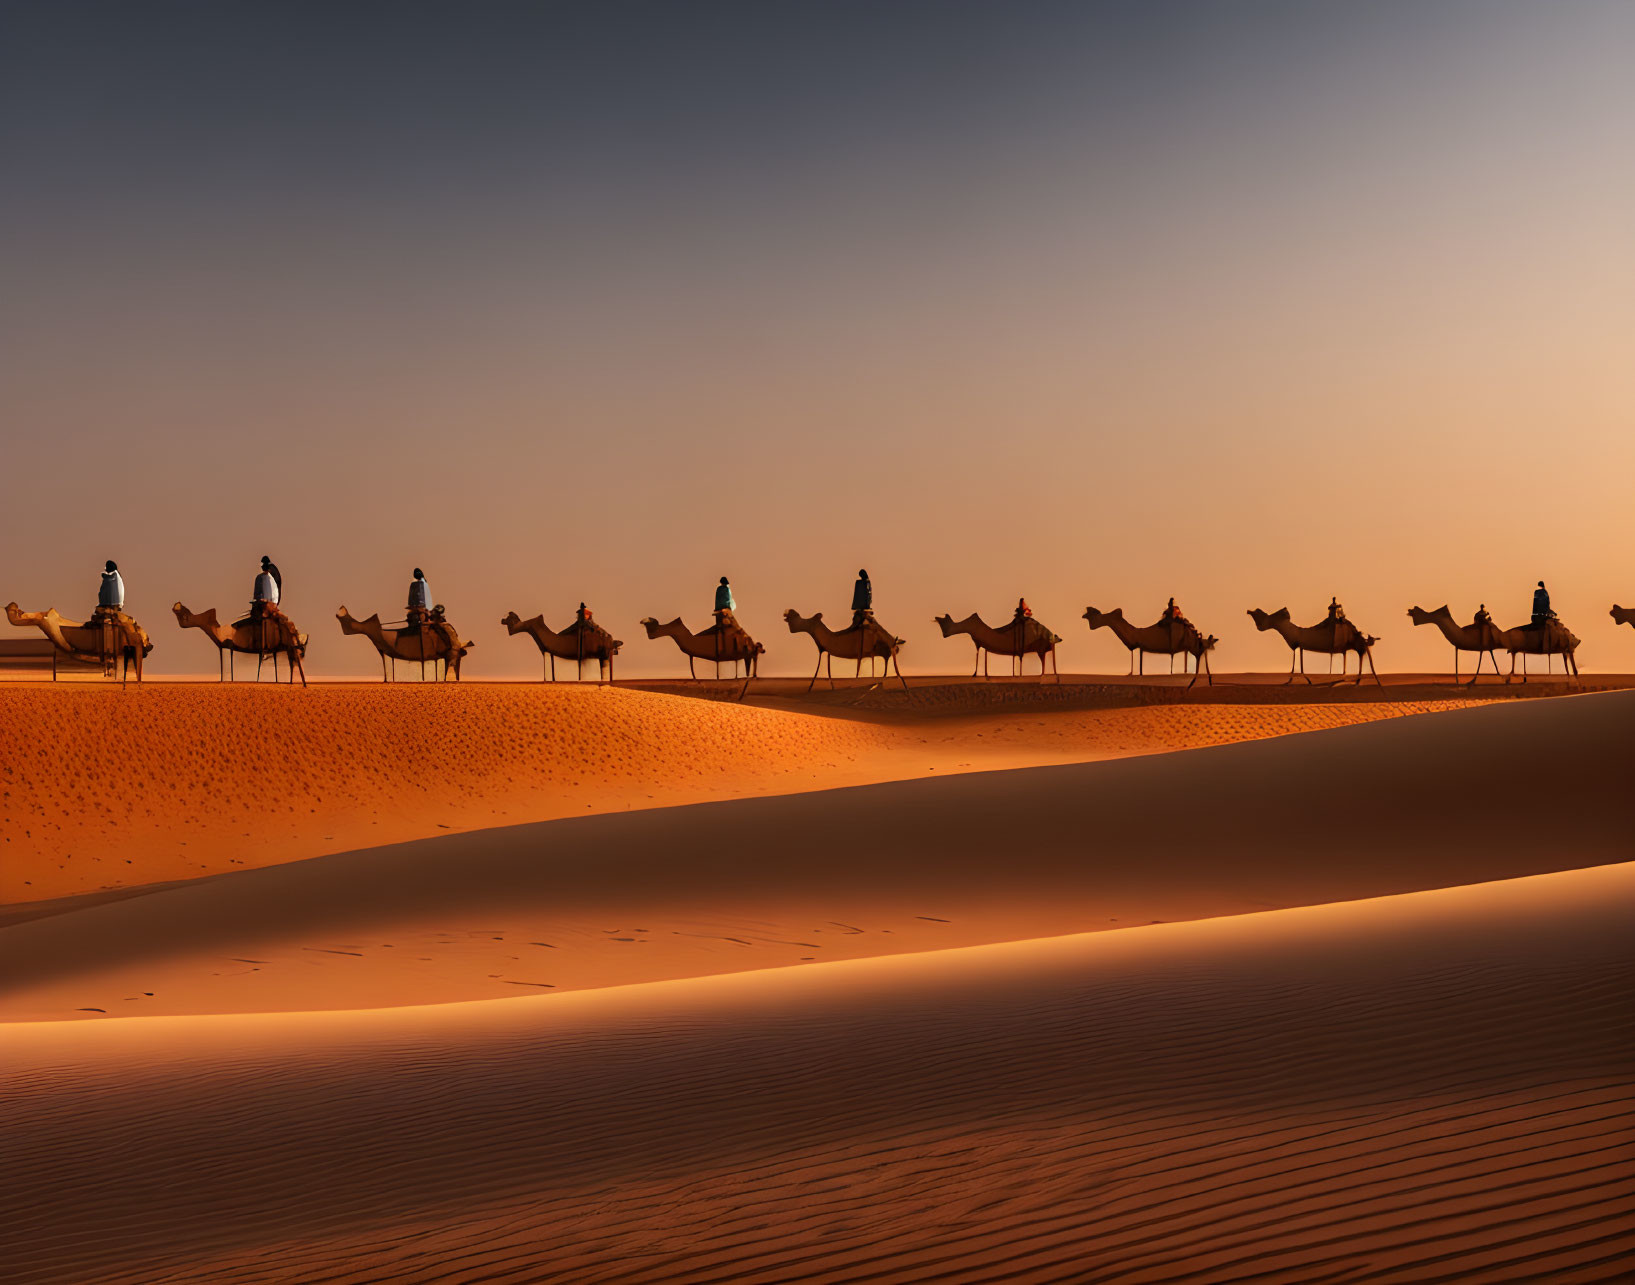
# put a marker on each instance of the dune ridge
(108, 789)
(1378, 808)
(1425, 1087)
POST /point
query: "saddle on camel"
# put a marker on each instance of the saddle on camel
(110, 640)
(265, 632)
(724, 642)
(583, 640)
(425, 634)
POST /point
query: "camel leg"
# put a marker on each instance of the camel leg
(1303, 673)
(899, 669)
(816, 672)
(1290, 678)
(1131, 672)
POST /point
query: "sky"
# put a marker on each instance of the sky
(1249, 303)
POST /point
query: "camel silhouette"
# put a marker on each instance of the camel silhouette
(425, 643)
(1020, 638)
(1330, 637)
(867, 639)
(1167, 637)
(1483, 639)
(581, 641)
(273, 634)
(726, 640)
(112, 641)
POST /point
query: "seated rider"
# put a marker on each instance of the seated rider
(111, 593)
(267, 590)
(1023, 611)
(419, 608)
(862, 598)
(1172, 612)
(583, 614)
(724, 601)
(1335, 610)
(1541, 604)
(1483, 620)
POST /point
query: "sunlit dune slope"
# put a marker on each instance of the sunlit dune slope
(1435, 1087)
(106, 788)
(1387, 807)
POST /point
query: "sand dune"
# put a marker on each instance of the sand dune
(1387, 807)
(1432, 1087)
(107, 789)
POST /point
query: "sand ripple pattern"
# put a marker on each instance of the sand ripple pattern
(1430, 1087)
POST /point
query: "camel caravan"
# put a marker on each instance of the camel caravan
(112, 641)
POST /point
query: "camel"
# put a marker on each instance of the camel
(107, 640)
(1480, 638)
(269, 636)
(1623, 615)
(1165, 638)
(1022, 637)
(1330, 637)
(724, 640)
(866, 639)
(581, 641)
(429, 642)
(1547, 638)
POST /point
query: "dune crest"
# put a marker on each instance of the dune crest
(106, 790)
(1371, 810)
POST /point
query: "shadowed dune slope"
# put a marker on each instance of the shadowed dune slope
(1433, 1087)
(105, 788)
(1401, 805)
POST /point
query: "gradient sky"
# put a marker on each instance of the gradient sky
(1248, 303)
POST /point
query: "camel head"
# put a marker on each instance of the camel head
(946, 624)
(1421, 617)
(801, 624)
(512, 621)
(1264, 622)
(192, 620)
(656, 630)
(1103, 619)
(351, 626)
(1207, 643)
(1620, 615)
(15, 614)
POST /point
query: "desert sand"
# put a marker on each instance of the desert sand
(107, 789)
(1352, 1004)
